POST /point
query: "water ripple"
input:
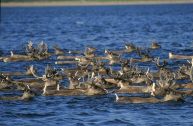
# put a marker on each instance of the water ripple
(105, 27)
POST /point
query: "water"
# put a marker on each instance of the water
(102, 27)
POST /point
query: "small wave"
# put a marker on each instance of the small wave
(118, 122)
(33, 115)
(79, 22)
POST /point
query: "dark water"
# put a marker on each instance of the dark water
(102, 27)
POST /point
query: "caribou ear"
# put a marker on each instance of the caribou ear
(106, 51)
(188, 61)
(116, 97)
(147, 71)
(153, 89)
(11, 53)
(27, 88)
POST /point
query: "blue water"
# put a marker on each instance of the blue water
(105, 27)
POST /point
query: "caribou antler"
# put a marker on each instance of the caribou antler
(50, 71)
(30, 50)
(138, 51)
(157, 62)
(149, 75)
(191, 71)
(58, 51)
(166, 80)
(38, 77)
(42, 48)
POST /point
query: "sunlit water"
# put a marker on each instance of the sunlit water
(106, 27)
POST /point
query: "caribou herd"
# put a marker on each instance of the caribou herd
(115, 72)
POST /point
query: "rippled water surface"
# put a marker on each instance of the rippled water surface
(102, 27)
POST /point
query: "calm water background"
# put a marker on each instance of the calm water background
(102, 27)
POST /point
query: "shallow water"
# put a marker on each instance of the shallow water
(102, 27)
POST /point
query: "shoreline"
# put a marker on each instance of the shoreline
(90, 3)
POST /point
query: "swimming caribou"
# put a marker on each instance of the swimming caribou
(86, 73)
